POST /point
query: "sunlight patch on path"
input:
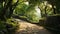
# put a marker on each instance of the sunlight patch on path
(29, 25)
(28, 28)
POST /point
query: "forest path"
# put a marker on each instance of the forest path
(28, 28)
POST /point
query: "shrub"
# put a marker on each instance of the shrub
(8, 27)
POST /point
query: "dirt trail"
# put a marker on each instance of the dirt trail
(28, 28)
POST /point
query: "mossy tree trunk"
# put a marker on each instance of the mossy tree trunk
(7, 9)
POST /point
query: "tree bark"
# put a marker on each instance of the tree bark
(54, 10)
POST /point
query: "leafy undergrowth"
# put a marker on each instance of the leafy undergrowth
(8, 27)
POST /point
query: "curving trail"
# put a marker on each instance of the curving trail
(28, 28)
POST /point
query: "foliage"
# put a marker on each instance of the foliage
(8, 27)
(28, 11)
(48, 8)
(7, 8)
(55, 3)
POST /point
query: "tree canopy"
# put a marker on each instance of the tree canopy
(33, 11)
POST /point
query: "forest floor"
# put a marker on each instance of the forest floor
(28, 28)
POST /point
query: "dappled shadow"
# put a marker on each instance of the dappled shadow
(28, 28)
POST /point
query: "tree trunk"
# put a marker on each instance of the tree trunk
(54, 10)
(45, 11)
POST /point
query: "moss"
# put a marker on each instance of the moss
(8, 27)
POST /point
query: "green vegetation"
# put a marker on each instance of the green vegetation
(34, 11)
(8, 27)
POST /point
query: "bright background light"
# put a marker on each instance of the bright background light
(38, 11)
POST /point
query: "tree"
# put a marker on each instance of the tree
(8, 7)
(55, 5)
